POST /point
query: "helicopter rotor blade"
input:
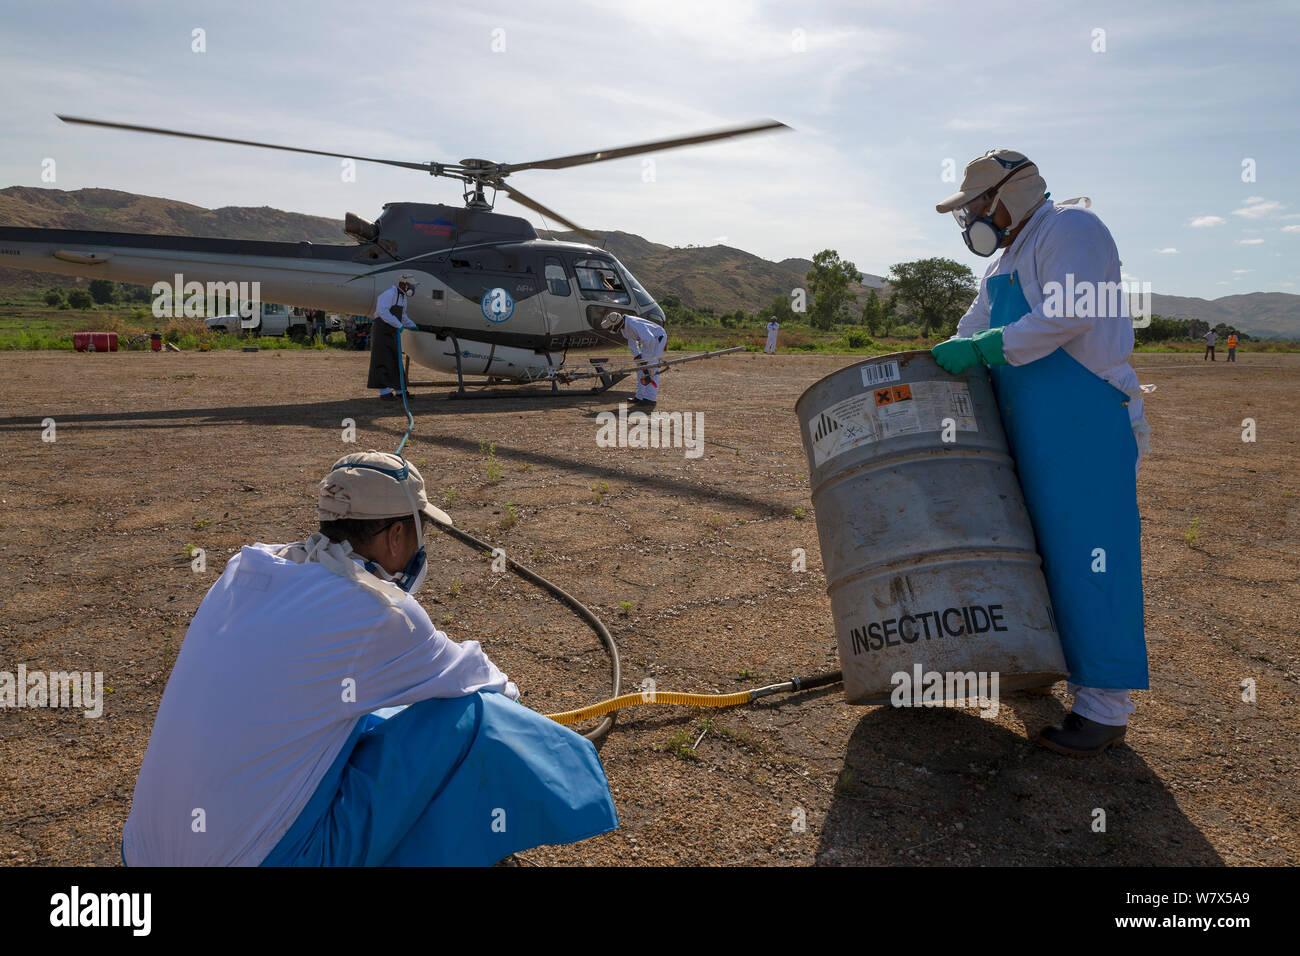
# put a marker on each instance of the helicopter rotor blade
(435, 168)
(533, 204)
(600, 156)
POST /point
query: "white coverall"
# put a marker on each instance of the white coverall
(255, 710)
(1058, 241)
(647, 340)
(771, 336)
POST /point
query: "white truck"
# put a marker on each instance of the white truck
(275, 319)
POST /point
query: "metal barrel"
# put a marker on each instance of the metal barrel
(926, 543)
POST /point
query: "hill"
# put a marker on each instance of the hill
(720, 277)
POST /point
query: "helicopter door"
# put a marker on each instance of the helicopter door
(559, 301)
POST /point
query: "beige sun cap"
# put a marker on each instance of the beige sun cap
(1005, 168)
(372, 484)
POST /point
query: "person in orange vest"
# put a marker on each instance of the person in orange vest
(1232, 346)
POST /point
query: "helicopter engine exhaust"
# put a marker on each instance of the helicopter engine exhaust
(360, 228)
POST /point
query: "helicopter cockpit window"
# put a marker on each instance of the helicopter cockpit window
(556, 280)
(643, 298)
(598, 279)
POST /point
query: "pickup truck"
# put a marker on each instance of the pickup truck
(275, 319)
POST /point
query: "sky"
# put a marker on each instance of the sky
(1179, 120)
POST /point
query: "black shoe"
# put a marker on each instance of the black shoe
(1080, 737)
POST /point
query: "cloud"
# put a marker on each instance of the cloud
(1241, 272)
(1291, 228)
(1250, 242)
(1167, 251)
(1257, 208)
(1201, 221)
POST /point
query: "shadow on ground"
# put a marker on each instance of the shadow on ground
(944, 786)
(389, 418)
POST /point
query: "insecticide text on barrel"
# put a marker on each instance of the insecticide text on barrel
(925, 540)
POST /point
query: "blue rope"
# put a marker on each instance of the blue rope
(401, 376)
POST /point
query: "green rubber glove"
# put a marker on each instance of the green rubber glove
(957, 355)
(989, 344)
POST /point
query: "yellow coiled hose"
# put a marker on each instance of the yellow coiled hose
(658, 697)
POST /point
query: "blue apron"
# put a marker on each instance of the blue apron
(1075, 453)
(462, 781)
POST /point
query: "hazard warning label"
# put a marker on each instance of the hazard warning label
(889, 412)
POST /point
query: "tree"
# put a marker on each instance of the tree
(828, 283)
(938, 290)
(102, 291)
(53, 297)
(889, 314)
(80, 299)
(1160, 329)
(873, 313)
(1196, 328)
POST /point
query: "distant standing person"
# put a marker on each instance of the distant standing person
(772, 328)
(1232, 346)
(1210, 338)
(390, 315)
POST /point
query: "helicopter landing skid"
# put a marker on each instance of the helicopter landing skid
(555, 378)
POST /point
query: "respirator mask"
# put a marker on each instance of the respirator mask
(981, 235)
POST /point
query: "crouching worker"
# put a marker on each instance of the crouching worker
(266, 749)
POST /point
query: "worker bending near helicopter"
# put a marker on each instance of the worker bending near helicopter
(647, 341)
(390, 315)
(316, 717)
(1051, 321)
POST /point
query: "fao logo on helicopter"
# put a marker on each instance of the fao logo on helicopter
(498, 305)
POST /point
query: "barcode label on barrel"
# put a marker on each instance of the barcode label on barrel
(875, 374)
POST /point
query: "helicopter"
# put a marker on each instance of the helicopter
(492, 298)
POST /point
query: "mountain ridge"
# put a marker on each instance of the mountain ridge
(720, 277)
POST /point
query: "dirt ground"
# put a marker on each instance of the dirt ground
(688, 562)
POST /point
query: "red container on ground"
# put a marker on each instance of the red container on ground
(94, 341)
(155, 341)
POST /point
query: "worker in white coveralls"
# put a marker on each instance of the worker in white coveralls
(1052, 323)
(647, 340)
(267, 748)
(391, 310)
(772, 328)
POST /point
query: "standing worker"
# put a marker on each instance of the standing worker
(390, 315)
(267, 748)
(1210, 338)
(1072, 410)
(772, 328)
(1232, 346)
(647, 341)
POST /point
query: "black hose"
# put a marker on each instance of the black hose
(574, 604)
(817, 680)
